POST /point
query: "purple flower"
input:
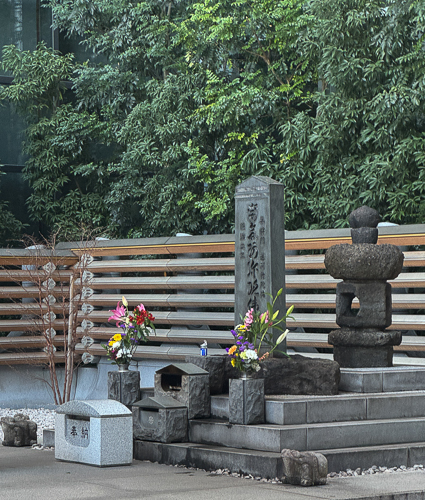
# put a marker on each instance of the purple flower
(251, 346)
(233, 333)
(238, 343)
(242, 348)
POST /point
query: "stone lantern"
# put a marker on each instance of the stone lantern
(363, 341)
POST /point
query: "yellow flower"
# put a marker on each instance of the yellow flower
(233, 362)
(232, 349)
(112, 342)
(117, 337)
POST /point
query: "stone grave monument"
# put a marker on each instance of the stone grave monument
(259, 246)
(362, 340)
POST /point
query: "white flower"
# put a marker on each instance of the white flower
(249, 354)
(116, 345)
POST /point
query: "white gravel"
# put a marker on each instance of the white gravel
(45, 419)
(348, 473)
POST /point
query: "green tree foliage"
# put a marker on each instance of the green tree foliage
(187, 99)
(256, 81)
(366, 142)
(66, 194)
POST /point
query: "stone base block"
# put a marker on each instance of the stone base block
(369, 380)
(246, 401)
(304, 468)
(363, 348)
(124, 386)
(49, 438)
(363, 357)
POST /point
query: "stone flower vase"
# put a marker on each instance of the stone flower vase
(246, 400)
(124, 385)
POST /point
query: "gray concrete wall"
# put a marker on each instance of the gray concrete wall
(24, 386)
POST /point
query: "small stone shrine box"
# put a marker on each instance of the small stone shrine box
(188, 384)
(160, 418)
(94, 433)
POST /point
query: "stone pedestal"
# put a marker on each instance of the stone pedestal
(124, 386)
(365, 348)
(246, 401)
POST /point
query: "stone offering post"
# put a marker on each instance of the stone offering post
(259, 247)
(363, 341)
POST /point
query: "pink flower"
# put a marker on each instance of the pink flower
(118, 313)
(141, 307)
(266, 314)
(249, 318)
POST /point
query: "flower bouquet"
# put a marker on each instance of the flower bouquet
(137, 327)
(254, 333)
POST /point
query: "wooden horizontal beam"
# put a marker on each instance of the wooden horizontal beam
(39, 257)
(31, 358)
(163, 265)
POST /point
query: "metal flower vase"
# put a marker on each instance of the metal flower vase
(246, 400)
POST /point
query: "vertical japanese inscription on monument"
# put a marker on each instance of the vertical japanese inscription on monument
(262, 245)
(252, 252)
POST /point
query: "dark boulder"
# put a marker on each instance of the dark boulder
(299, 375)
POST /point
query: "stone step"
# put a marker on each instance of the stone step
(368, 380)
(269, 464)
(294, 410)
(318, 436)
(258, 463)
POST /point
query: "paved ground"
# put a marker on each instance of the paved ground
(29, 474)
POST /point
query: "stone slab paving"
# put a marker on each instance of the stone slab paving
(27, 473)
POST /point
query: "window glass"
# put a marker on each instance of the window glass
(81, 51)
(15, 190)
(11, 136)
